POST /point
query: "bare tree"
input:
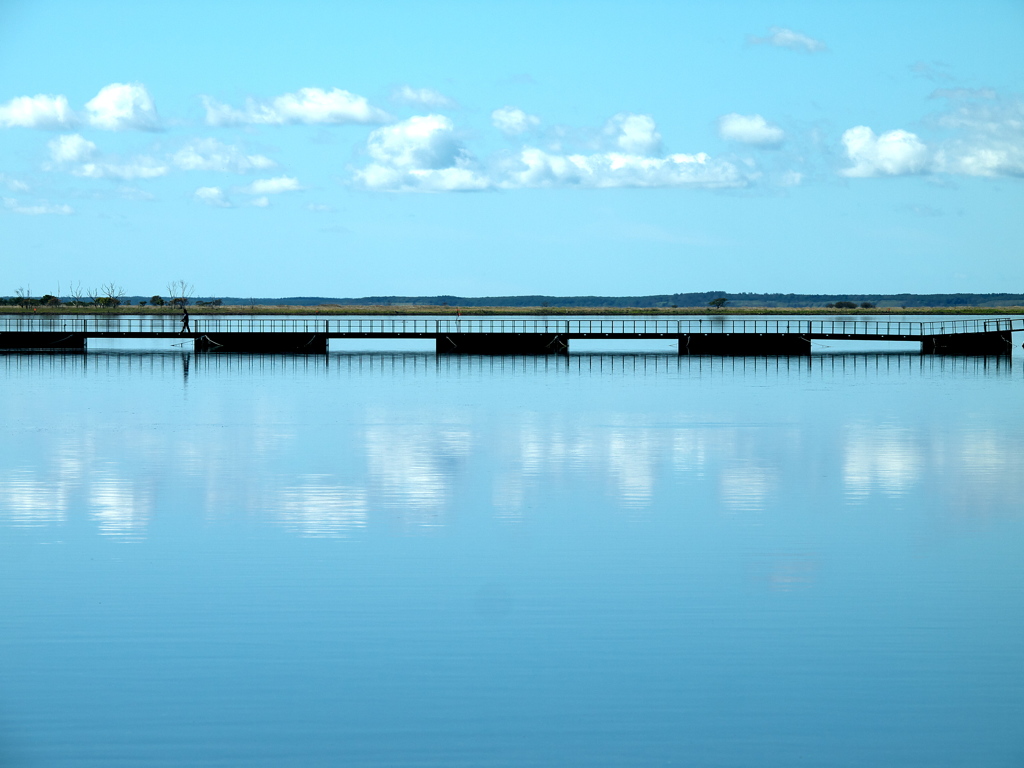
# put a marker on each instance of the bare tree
(112, 293)
(76, 293)
(107, 295)
(180, 292)
(23, 295)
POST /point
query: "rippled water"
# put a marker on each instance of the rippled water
(600, 560)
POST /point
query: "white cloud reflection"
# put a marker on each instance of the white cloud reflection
(317, 508)
(29, 502)
(880, 459)
(410, 466)
(416, 467)
(120, 507)
(746, 488)
(631, 465)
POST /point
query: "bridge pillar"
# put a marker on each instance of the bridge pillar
(262, 343)
(744, 344)
(502, 344)
(42, 341)
(991, 343)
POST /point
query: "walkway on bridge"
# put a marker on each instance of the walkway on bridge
(706, 336)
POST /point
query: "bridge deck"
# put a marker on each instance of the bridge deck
(516, 336)
(165, 326)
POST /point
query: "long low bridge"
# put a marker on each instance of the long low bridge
(708, 336)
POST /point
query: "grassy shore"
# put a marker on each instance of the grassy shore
(443, 311)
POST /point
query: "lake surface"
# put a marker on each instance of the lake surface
(598, 560)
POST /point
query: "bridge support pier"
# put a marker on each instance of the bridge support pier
(990, 343)
(739, 344)
(42, 341)
(502, 344)
(262, 343)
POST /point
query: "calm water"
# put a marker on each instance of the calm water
(605, 560)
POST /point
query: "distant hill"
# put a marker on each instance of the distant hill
(665, 300)
(700, 299)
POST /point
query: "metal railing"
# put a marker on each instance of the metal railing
(171, 325)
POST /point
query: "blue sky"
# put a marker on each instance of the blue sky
(347, 149)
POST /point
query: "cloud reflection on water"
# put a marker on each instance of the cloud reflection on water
(883, 458)
(119, 506)
(252, 448)
(29, 502)
(316, 508)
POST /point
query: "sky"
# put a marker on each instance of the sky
(278, 149)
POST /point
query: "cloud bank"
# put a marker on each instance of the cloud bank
(422, 153)
(513, 121)
(212, 155)
(121, 107)
(273, 186)
(40, 111)
(310, 106)
(80, 157)
(117, 107)
(893, 153)
(750, 129)
(989, 133)
(425, 154)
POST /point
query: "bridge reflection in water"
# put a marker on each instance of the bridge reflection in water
(429, 365)
(715, 336)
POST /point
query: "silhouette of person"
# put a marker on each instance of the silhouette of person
(184, 321)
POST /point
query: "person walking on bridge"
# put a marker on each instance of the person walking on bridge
(184, 321)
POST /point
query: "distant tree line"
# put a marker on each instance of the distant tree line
(181, 293)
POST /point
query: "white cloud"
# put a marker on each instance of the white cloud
(123, 106)
(894, 153)
(40, 111)
(749, 129)
(273, 186)
(212, 196)
(320, 208)
(261, 202)
(426, 97)
(421, 153)
(212, 155)
(989, 133)
(634, 134)
(13, 184)
(633, 161)
(307, 105)
(1005, 160)
(36, 210)
(537, 168)
(512, 121)
(780, 37)
(71, 148)
(141, 167)
(424, 154)
(80, 157)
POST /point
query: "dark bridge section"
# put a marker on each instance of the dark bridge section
(42, 341)
(992, 343)
(744, 344)
(716, 336)
(262, 342)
